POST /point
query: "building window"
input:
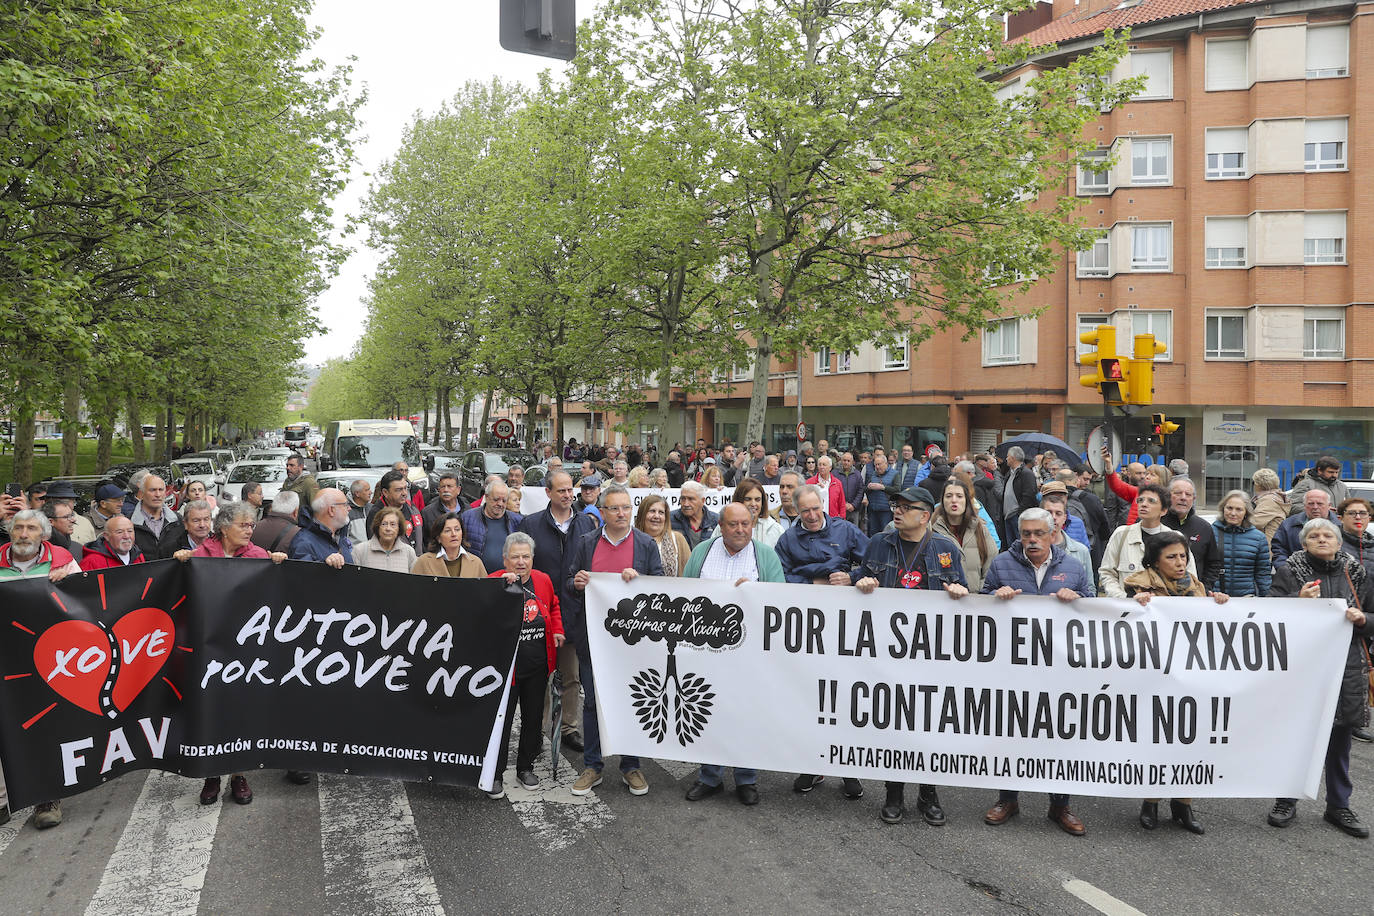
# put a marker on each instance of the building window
(1156, 323)
(1226, 152)
(1228, 64)
(1150, 246)
(1090, 321)
(1149, 161)
(843, 361)
(1226, 238)
(1323, 238)
(1226, 335)
(1158, 69)
(823, 361)
(1095, 261)
(1323, 338)
(896, 356)
(1328, 51)
(1325, 147)
(1092, 172)
(1002, 342)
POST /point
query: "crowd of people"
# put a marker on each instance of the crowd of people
(1005, 526)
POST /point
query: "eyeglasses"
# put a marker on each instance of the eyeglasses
(249, 526)
(1357, 513)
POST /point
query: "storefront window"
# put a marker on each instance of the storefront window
(853, 438)
(726, 433)
(1229, 467)
(782, 437)
(1295, 445)
(919, 437)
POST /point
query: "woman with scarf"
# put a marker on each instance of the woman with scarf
(1321, 570)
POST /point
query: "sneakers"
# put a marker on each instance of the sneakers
(1283, 812)
(634, 781)
(853, 788)
(1345, 820)
(587, 780)
(47, 814)
(498, 789)
(209, 793)
(238, 788)
(1361, 734)
(527, 779)
(806, 782)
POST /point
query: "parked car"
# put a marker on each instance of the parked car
(444, 461)
(275, 453)
(270, 473)
(343, 480)
(478, 464)
(200, 467)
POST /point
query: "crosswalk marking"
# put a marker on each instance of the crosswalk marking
(676, 768)
(11, 830)
(159, 864)
(373, 859)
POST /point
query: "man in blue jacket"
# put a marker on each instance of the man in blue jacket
(1033, 566)
(324, 541)
(555, 529)
(486, 527)
(914, 556)
(616, 547)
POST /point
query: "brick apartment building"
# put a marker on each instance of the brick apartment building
(1236, 226)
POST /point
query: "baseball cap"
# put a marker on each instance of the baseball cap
(708, 460)
(917, 495)
(108, 491)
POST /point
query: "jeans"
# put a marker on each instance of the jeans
(877, 520)
(712, 774)
(1338, 784)
(591, 729)
(1056, 800)
(528, 692)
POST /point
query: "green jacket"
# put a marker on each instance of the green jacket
(770, 567)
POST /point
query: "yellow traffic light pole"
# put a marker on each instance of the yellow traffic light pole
(1122, 382)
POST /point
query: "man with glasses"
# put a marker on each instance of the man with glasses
(62, 518)
(912, 556)
(616, 547)
(1034, 566)
(324, 541)
(1324, 476)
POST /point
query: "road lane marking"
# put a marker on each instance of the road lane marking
(1099, 899)
(551, 813)
(159, 864)
(11, 830)
(373, 860)
(676, 768)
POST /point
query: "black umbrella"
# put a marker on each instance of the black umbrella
(1036, 443)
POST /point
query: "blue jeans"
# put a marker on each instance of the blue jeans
(877, 520)
(711, 775)
(591, 729)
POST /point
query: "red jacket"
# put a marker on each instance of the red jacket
(1126, 492)
(100, 556)
(836, 507)
(548, 604)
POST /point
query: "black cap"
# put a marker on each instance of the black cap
(917, 495)
(61, 489)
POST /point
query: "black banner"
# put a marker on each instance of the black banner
(220, 666)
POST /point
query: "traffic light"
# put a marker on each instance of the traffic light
(1142, 372)
(1110, 379)
(1161, 427)
(544, 27)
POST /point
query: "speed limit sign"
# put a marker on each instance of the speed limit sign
(503, 428)
(801, 432)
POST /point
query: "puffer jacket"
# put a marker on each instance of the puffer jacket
(1352, 706)
(1012, 568)
(1245, 560)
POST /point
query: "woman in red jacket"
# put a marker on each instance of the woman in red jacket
(541, 633)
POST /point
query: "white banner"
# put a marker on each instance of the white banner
(536, 498)
(1183, 697)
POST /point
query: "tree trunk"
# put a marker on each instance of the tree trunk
(170, 433)
(71, 423)
(531, 407)
(190, 436)
(23, 444)
(424, 421)
(135, 421)
(103, 411)
(486, 415)
(447, 392)
(558, 424)
(763, 349)
(467, 419)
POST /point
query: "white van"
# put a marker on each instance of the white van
(372, 444)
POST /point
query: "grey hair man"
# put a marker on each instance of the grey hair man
(278, 528)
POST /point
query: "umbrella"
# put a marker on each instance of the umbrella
(556, 720)
(1035, 443)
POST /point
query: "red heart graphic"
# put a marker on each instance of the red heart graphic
(73, 657)
(145, 638)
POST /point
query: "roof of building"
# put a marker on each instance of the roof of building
(1121, 14)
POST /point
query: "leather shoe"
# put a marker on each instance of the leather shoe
(1182, 814)
(573, 741)
(893, 809)
(1283, 812)
(1345, 820)
(700, 790)
(928, 803)
(1067, 821)
(1001, 812)
(1149, 815)
(747, 794)
(1362, 734)
(238, 788)
(209, 793)
(298, 777)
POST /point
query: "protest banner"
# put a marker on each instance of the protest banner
(1093, 697)
(219, 666)
(535, 498)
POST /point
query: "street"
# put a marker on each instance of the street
(143, 845)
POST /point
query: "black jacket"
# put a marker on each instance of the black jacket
(551, 546)
(160, 547)
(1202, 541)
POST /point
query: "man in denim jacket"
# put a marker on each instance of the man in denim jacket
(912, 556)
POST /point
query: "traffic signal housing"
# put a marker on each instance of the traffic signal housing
(1142, 371)
(1110, 377)
(544, 27)
(1161, 427)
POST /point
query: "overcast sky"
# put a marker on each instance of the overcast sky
(411, 54)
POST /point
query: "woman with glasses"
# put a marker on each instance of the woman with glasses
(1245, 559)
(1125, 553)
(1356, 540)
(232, 536)
(385, 548)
